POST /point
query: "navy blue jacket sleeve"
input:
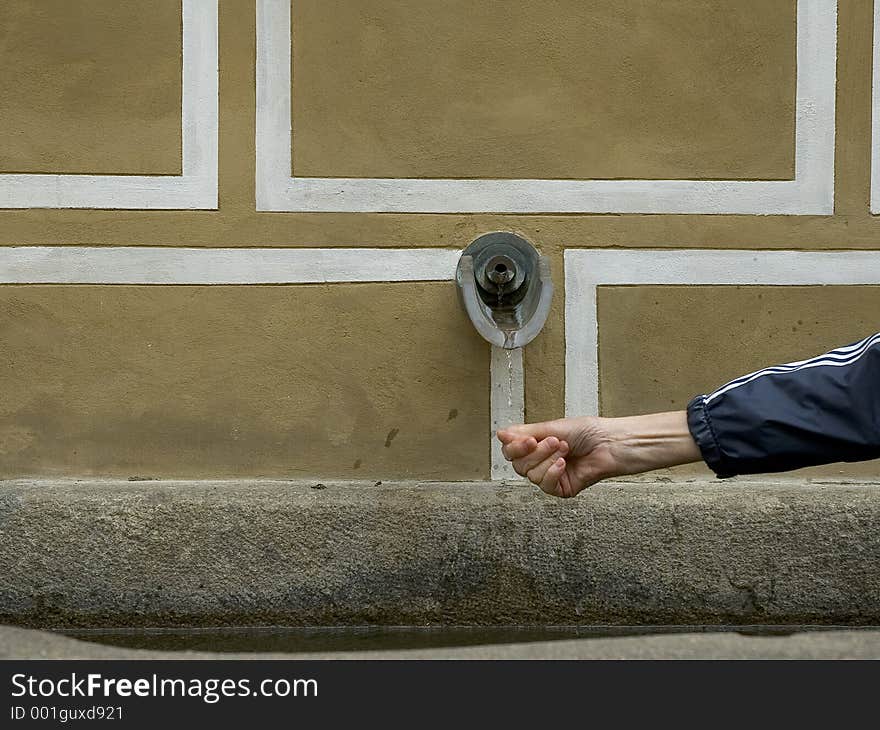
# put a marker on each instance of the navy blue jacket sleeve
(817, 411)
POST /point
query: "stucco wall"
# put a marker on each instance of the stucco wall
(359, 380)
(554, 89)
(83, 92)
(397, 91)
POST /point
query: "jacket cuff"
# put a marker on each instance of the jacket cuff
(700, 426)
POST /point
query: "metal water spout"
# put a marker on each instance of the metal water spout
(505, 287)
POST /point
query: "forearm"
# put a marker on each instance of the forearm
(653, 441)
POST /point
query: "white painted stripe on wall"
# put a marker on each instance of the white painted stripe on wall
(875, 115)
(200, 123)
(507, 404)
(172, 265)
(810, 192)
(195, 188)
(273, 118)
(587, 269)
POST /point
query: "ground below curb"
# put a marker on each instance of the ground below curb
(18, 643)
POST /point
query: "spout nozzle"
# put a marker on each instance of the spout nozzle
(506, 288)
(500, 270)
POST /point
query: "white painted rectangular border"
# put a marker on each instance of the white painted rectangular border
(811, 192)
(159, 265)
(195, 188)
(587, 269)
(875, 115)
(173, 265)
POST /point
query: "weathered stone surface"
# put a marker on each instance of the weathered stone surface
(251, 553)
(16, 643)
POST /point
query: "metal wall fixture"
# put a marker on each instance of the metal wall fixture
(505, 287)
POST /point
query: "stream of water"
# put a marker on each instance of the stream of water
(509, 378)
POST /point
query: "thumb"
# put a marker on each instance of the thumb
(559, 428)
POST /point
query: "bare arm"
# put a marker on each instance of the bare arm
(818, 411)
(566, 456)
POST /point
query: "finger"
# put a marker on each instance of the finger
(544, 449)
(505, 436)
(550, 481)
(519, 448)
(572, 485)
(536, 473)
(567, 486)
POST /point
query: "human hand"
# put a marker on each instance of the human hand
(566, 456)
(561, 457)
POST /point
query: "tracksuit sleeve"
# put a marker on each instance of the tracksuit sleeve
(816, 411)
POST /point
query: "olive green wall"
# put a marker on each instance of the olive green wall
(680, 89)
(358, 380)
(554, 89)
(84, 92)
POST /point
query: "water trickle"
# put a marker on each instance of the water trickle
(509, 378)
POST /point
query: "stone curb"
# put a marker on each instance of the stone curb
(97, 554)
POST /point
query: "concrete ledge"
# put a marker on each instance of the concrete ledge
(98, 554)
(18, 643)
